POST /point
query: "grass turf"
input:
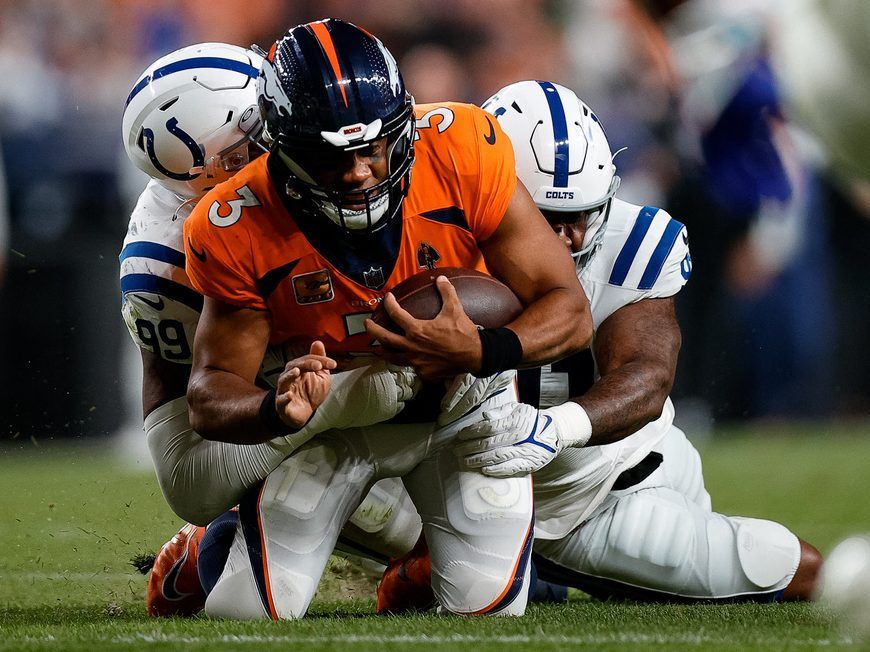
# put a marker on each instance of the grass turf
(73, 517)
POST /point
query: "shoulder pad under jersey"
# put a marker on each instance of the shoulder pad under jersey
(160, 307)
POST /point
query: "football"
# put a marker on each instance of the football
(486, 300)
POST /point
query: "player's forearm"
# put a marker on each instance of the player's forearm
(225, 407)
(162, 381)
(556, 325)
(624, 401)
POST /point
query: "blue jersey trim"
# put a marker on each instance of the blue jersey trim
(188, 64)
(249, 517)
(159, 285)
(154, 251)
(632, 244)
(560, 134)
(450, 215)
(659, 255)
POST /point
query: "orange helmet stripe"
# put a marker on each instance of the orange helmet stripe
(321, 33)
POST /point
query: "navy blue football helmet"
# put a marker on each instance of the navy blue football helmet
(329, 87)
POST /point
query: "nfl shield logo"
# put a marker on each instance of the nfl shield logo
(374, 278)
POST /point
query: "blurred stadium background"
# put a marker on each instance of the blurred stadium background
(715, 103)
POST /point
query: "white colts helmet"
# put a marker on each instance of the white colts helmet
(562, 154)
(191, 116)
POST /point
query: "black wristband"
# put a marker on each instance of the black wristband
(501, 350)
(269, 415)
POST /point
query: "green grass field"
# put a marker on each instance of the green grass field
(73, 516)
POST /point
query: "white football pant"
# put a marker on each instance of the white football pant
(660, 541)
(479, 529)
(201, 479)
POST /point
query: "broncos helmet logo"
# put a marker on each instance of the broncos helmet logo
(269, 88)
(392, 68)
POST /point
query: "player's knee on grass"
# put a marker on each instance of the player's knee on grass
(287, 529)
(804, 584)
(768, 552)
(481, 545)
(236, 594)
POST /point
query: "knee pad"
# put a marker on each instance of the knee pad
(769, 553)
(653, 531)
(483, 564)
(290, 524)
(484, 501)
(386, 520)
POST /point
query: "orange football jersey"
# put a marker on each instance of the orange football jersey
(246, 248)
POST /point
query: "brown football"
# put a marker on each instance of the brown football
(486, 300)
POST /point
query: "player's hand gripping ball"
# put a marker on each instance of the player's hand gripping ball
(487, 301)
(430, 321)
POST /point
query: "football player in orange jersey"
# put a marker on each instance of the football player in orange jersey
(302, 245)
(191, 121)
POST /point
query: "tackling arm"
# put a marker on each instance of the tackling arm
(636, 351)
(162, 381)
(526, 254)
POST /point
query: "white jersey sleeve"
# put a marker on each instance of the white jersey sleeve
(644, 255)
(160, 306)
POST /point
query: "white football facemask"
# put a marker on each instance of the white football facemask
(562, 154)
(192, 116)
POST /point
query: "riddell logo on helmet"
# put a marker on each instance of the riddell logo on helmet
(353, 129)
(559, 194)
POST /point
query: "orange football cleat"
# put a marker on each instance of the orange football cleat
(174, 588)
(407, 583)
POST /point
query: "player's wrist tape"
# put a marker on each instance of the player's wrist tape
(572, 423)
(501, 350)
(269, 416)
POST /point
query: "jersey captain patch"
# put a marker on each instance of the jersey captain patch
(314, 287)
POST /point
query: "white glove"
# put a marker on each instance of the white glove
(360, 397)
(516, 439)
(467, 392)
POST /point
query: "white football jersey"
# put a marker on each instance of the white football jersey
(644, 254)
(160, 306)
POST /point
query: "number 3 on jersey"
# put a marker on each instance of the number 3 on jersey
(445, 114)
(217, 212)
